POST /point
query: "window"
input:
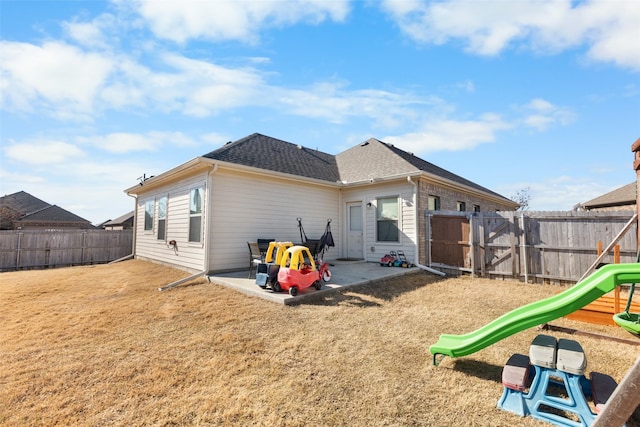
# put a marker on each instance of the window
(461, 206)
(148, 215)
(195, 214)
(162, 217)
(387, 220)
(476, 208)
(434, 203)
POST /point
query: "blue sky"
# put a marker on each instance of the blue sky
(543, 95)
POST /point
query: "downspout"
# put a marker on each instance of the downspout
(207, 256)
(135, 224)
(415, 206)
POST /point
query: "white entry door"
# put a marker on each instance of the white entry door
(354, 230)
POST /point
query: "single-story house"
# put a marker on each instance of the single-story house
(123, 222)
(200, 215)
(22, 211)
(620, 199)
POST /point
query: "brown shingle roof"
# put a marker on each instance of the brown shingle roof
(53, 214)
(377, 159)
(23, 203)
(273, 154)
(371, 159)
(625, 195)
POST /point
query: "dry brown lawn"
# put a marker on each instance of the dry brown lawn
(101, 346)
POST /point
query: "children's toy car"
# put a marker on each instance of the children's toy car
(389, 259)
(267, 272)
(298, 271)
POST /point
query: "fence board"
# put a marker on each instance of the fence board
(29, 249)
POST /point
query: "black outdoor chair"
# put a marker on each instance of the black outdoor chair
(255, 257)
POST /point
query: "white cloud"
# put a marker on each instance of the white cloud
(54, 76)
(93, 34)
(232, 19)
(123, 142)
(450, 135)
(540, 114)
(607, 28)
(42, 152)
(335, 102)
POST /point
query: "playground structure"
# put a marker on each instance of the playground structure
(601, 282)
(550, 384)
(563, 364)
(602, 310)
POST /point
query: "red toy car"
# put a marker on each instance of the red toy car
(298, 271)
(389, 259)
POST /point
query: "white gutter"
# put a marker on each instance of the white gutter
(424, 267)
(135, 224)
(209, 213)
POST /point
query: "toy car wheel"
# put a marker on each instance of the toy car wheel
(293, 291)
(276, 286)
(390, 264)
(317, 285)
(326, 276)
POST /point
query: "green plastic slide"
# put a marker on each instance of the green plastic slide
(602, 281)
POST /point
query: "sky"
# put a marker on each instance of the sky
(534, 96)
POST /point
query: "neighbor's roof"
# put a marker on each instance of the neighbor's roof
(625, 195)
(52, 214)
(273, 154)
(376, 159)
(22, 203)
(120, 220)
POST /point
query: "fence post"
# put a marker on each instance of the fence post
(84, 244)
(18, 249)
(523, 245)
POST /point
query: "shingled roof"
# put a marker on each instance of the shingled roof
(273, 154)
(22, 203)
(368, 160)
(622, 196)
(22, 208)
(54, 214)
(371, 160)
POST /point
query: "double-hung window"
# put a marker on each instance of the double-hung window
(162, 218)
(148, 215)
(195, 214)
(387, 220)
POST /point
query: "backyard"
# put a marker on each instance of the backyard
(99, 345)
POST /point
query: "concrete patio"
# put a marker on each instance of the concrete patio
(343, 275)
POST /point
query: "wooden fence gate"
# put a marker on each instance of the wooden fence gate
(531, 246)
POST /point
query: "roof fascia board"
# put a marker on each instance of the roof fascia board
(380, 180)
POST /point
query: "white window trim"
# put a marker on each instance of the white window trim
(375, 218)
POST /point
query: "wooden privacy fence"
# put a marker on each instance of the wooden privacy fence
(30, 249)
(531, 246)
